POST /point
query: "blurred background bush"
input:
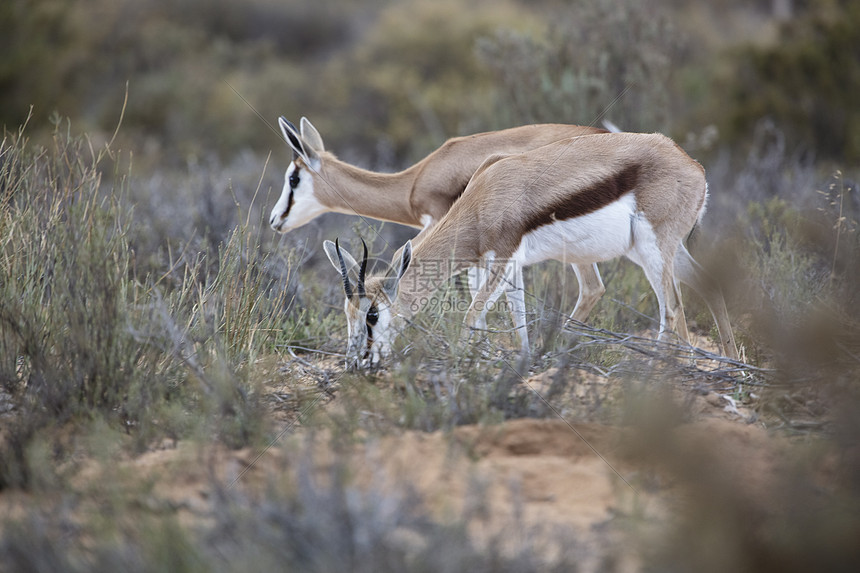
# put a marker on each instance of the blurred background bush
(386, 81)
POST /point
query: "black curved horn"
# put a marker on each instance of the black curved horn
(347, 288)
(362, 270)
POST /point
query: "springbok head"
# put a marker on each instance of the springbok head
(298, 203)
(370, 318)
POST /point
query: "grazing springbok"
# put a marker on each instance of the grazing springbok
(316, 182)
(581, 200)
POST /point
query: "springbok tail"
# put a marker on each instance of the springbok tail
(610, 126)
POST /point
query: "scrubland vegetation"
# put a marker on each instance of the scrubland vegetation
(172, 395)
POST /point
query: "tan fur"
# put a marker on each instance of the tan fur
(489, 216)
(433, 184)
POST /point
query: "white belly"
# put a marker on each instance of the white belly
(599, 236)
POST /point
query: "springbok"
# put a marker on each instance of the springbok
(316, 182)
(581, 200)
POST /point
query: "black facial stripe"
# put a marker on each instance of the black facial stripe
(369, 344)
(294, 182)
(286, 212)
(370, 320)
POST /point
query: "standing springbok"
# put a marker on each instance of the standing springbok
(316, 182)
(581, 200)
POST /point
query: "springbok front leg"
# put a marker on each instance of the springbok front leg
(500, 276)
(590, 290)
(516, 295)
(514, 289)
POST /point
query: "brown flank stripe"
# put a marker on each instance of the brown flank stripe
(586, 200)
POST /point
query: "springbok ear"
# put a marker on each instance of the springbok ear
(291, 135)
(331, 252)
(312, 158)
(335, 253)
(311, 136)
(392, 281)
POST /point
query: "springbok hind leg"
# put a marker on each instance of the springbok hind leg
(691, 273)
(677, 320)
(674, 303)
(680, 315)
(659, 270)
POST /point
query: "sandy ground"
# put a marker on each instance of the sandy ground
(528, 474)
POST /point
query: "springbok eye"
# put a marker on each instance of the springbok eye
(294, 179)
(372, 316)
